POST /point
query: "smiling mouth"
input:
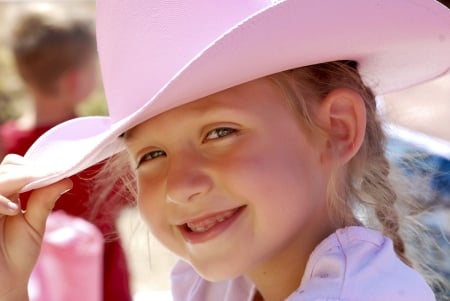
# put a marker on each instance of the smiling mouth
(205, 224)
(208, 227)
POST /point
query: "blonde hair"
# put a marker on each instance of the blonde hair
(48, 42)
(366, 180)
(371, 186)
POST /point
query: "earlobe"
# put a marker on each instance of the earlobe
(342, 115)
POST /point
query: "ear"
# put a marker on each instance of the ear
(342, 114)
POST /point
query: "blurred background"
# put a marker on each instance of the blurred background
(149, 263)
(13, 96)
(415, 122)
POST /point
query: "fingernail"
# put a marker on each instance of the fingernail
(12, 206)
(67, 190)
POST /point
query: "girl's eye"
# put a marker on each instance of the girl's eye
(219, 133)
(151, 156)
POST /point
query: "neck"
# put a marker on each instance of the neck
(48, 110)
(279, 277)
(275, 282)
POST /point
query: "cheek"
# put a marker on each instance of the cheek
(151, 205)
(154, 211)
(277, 176)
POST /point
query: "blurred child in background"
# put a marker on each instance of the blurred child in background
(55, 55)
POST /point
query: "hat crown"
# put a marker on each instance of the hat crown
(157, 38)
(159, 54)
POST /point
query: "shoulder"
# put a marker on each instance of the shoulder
(357, 263)
(16, 139)
(187, 285)
(352, 264)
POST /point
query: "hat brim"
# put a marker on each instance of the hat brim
(394, 50)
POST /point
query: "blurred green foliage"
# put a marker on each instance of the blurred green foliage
(11, 91)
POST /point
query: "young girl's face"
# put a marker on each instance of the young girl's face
(231, 183)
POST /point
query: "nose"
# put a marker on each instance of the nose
(187, 178)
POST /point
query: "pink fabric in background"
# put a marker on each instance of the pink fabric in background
(70, 265)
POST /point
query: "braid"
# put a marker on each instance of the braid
(369, 186)
(383, 202)
(376, 189)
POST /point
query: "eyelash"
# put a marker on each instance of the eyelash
(150, 156)
(220, 132)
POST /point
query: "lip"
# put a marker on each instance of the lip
(216, 230)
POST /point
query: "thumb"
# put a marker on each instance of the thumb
(41, 203)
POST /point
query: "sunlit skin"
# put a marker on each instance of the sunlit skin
(238, 153)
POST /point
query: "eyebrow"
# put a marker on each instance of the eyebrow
(127, 135)
(198, 111)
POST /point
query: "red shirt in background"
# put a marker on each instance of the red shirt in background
(76, 202)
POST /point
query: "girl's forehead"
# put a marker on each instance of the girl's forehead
(236, 100)
(195, 110)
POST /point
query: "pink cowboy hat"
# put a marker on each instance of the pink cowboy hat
(156, 55)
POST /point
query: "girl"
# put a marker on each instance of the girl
(256, 160)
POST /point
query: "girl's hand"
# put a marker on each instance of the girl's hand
(21, 232)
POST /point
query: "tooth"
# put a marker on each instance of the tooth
(209, 223)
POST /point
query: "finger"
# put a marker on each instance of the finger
(41, 203)
(14, 159)
(11, 182)
(8, 207)
(15, 175)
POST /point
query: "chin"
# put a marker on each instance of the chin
(218, 273)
